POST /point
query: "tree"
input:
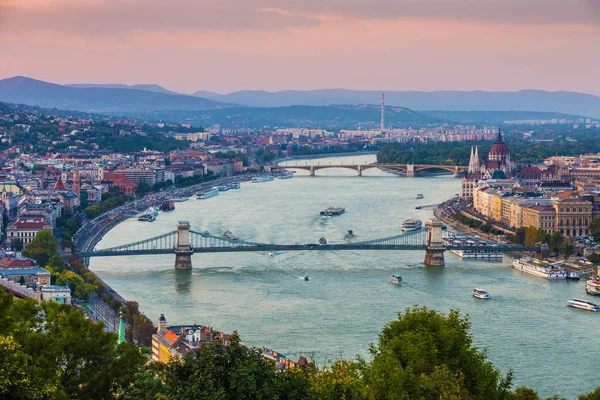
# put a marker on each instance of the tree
(595, 395)
(555, 242)
(17, 244)
(594, 228)
(427, 355)
(51, 350)
(567, 250)
(21, 280)
(41, 248)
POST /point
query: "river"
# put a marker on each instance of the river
(340, 311)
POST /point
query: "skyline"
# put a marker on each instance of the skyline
(187, 46)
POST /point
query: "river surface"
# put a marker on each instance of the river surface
(340, 311)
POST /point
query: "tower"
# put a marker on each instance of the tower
(382, 112)
(162, 323)
(477, 166)
(63, 176)
(121, 329)
(101, 170)
(472, 162)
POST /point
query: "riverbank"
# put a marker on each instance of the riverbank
(327, 155)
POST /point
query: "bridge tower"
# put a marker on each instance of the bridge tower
(434, 255)
(410, 170)
(183, 251)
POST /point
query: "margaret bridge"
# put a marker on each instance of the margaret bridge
(184, 242)
(409, 169)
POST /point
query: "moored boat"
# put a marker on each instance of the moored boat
(396, 279)
(208, 194)
(333, 211)
(419, 196)
(481, 294)
(286, 176)
(262, 178)
(583, 305)
(539, 268)
(592, 287)
(167, 205)
(412, 224)
(322, 241)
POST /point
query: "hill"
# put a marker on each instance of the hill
(316, 117)
(99, 99)
(147, 87)
(524, 100)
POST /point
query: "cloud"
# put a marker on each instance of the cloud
(114, 18)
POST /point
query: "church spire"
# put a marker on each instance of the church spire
(499, 139)
(477, 167)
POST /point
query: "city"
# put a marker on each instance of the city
(250, 233)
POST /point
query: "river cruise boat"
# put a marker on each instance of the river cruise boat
(481, 294)
(349, 234)
(286, 176)
(583, 305)
(152, 211)
(229, 235)
(539, 268)
(179, 199)
(333, 211)
(224, 188)
(396, 279)
(322, 241)
(592, 287)
(573, 276)
(478, 248)
(208, 194)
(419, 196)
(235, 185)
(412, 224)
(147, 218)
(262, 178)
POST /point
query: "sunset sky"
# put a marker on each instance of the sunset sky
(228, 45)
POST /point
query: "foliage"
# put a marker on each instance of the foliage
(52, 351)
(140, 328)
(594, 228)
(107, 204)
(41, 248)
(567, 250)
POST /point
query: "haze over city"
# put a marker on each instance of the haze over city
(230, 45)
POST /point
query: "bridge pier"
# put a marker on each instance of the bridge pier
(359, 170)
(456, 173)
(183, 251)
(410, 170)
(312, 170)
(434, 254)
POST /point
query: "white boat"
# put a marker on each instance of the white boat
(262, 178)
(235, 185)
(229, 235)
(412, 224)
(474, 252)
(322, 241)
(583, 305)
(539, 268)
(179, 199)
(286, 176)
(481, 294)
(419, 196)
(152, 211)
(592, 287)
(396, 279)
(270, 253)
(208, 194)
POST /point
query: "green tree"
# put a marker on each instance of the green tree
(21, 280)
(41, 248)
(594, 228)
(567, 250)
(427, 355)
(555, 242)
(17, 244)
(595, 395)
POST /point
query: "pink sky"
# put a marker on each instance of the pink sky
(228, 45)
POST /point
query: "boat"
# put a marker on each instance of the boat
(349, 234)
(152, 211)
(224, 188)
(147, 218)
(396, 279)
(322, 241)
(412, 224)
(419, 196)
(179, 199)
(286, 176)
(207, 194)
(332, 211)
(229, 235)
(235, 185)
(270, 253)
(573, 276)
(262, 178)
(583, 305)
(592, 287)
(481, 294)
(306, 278)
(478, 248)
(167, 205)
(539, 268)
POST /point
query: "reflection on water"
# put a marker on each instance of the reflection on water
(183, 281)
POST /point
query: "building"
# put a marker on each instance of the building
(573, 216)
(540, 216)
(138, 175)
(59, 294)
(19, 269)
(26, 229)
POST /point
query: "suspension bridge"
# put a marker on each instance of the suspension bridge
(184, 242)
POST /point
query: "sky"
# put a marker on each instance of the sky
(229, 45)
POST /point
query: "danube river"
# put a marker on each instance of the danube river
(340, 311)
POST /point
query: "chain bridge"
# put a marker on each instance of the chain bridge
(184, 242)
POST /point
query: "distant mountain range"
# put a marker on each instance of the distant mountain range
(97, 98)
(523, 100)
(147, 87)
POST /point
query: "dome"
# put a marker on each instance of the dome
(499, 149)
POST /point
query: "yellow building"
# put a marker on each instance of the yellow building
(573, 216)
(540, 216)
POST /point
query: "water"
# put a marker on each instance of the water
(340, 311)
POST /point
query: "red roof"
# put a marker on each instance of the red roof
(37, 223)
(170, 336)
(16, 262)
